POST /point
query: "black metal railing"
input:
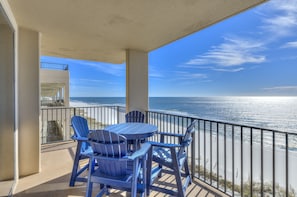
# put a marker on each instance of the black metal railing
(236, 159)
(56, 121)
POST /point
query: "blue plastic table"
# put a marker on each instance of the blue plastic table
(134, 131)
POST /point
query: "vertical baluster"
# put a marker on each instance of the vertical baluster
(193, 153)
(118, 114)
(105, 115)
(233, 160)
(262, 165)
(287, 165)
(204, 150)
(210, 151)
(199, 152)
(225, 160)
(251, 164)
(273, 163)
(47, 119)
(241, 161)
(218, 181)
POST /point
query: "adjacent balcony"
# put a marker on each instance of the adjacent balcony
(54, 82)
(225, 159)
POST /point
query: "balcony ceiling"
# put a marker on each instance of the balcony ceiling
(50, 89)
(2, 18)
(101, 30)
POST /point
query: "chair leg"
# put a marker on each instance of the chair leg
(89, 183)
(187, 171)
(177, 173)
(134, 178)
(149, 171)
(144, 174)
(75, 165)
(89, 189)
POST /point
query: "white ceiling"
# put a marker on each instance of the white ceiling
(101, 30)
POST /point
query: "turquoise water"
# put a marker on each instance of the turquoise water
(278, 113)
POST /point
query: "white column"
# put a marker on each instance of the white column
(66, 94)
(136, 80)
(7, 148)
(28, 101)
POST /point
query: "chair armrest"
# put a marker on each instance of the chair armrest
(164, 145)
(170, 134)
(84, 139)
(141, 152)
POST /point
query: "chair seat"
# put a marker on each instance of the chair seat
(88, 151)
(98, 174)
(163, 156)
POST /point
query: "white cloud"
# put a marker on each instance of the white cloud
(282, 88)
(290, 45)
(112, 69)
(85, 82)
(233, 52)
(290, 90)
(229, 70)
(154, 72)
(280, 18)
(187, 75)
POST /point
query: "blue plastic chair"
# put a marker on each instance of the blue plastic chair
(83, 149)
(116, 169)
(134, 116)
(173, 160)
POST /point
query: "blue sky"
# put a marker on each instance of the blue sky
(251, 54)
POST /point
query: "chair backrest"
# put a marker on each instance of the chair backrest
(80, 126)
(110, 150)
(134, 116)
(187, 138)
(81, 129)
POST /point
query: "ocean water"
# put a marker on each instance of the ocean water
(277, 113)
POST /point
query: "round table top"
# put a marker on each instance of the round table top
(133, 130)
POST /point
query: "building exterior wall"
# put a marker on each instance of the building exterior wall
(57, 76)
(6, 103)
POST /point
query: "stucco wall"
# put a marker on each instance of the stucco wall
(6, 103)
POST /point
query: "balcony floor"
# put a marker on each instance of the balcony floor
(56, 164)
